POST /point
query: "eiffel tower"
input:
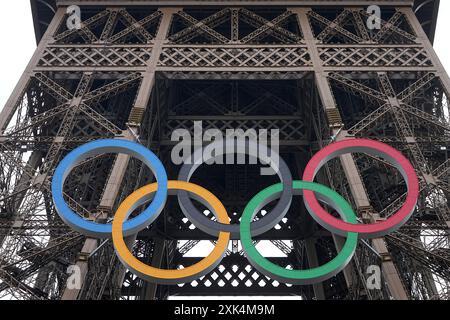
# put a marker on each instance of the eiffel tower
(138, 70)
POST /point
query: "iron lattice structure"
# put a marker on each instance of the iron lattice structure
(140, 69)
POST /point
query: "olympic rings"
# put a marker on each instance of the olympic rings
(373, 148)
(261, 226)
(298, 277)
(91, 149)
(313, 193)
(161, 276)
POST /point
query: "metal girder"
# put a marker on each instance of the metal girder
(109, 25)
(100, 120)
(336, 27)
(268, 27)
(365, 124)
(390, 27)
(361, 26)
(135, 27)
(406, 131)
(36, 120)
(437, 261)
(112, 89)
(68, 121)
(43, 256)
(54, 89)
(201, 26)
(271, 27)
(369, 120)
(386, 86)
(235, 24)
(421, 84)
(425, 116)
(188, 246)
(194, 30)
(282, 247)
(85, 31)
(358, 88)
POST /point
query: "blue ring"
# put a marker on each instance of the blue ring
(93, 229)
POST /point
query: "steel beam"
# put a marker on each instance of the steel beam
(118, 172)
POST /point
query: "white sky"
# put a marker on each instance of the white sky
(18, 44)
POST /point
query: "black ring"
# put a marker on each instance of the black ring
(270, 220)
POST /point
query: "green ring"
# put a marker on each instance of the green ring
(299, 277)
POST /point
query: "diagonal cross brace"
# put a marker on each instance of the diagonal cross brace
(424, 82)
(325, 22)
(387, 28)
(85, 31)
(330, 30)
(54, 89)
(356, 87)
(105, 92)
(136, 27)
(202, 26)
(190, 32)
(391, 27)
(268, 27)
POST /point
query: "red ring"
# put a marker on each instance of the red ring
(366, 230)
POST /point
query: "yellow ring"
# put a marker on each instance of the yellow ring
(163, 276)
